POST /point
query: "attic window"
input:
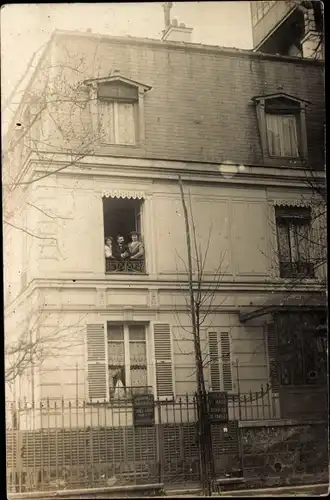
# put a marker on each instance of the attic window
(282, 127)
(117, 110)
(118, 113)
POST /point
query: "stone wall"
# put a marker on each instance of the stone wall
(285, 453)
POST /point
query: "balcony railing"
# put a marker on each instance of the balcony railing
(125, 266)
(296, 269)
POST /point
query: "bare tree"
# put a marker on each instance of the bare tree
(49, 119)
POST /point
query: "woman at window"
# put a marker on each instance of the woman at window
(135, 247)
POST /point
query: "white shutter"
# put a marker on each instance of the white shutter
(163, 360)
(220, 362)
(96, 363)
(226, 361)
(215, 377)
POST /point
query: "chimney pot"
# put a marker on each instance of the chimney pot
(175, 22)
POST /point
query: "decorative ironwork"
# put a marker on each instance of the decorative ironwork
(290, 269)
(125, 266)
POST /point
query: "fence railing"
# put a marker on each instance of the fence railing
(75, 444)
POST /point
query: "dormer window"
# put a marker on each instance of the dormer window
(282, 127)
(118, 110)
(118, 113)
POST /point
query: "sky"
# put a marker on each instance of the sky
(27, 27)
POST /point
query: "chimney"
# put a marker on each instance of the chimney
(174, 32)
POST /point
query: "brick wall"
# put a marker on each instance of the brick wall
(199, 108)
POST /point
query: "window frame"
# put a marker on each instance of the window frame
(141, 197)
(126, 331)
(93, 86)
(289, 105)
(290, 221)
(115, 110)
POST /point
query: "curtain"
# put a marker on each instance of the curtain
(282, 135)
(126, 123)
(106, 121)
(138, 356)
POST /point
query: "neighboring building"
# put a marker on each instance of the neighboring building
(288, 27)
(108, 125)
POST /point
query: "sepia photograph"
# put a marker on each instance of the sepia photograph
(164, 217)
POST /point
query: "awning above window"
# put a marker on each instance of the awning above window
(284, 302)
(123, 193)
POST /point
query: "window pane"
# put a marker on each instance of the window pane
(115, 332)
(138, 353)
(282, 135)
(273, 135)
(137, 332)
(139, 377)
(106, 121)
(116, 353)
(126, 123)
(289, 136)
(117, 381)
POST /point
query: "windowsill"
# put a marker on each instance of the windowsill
(284, 161)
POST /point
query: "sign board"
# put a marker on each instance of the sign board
(143, 410)
(218, 407)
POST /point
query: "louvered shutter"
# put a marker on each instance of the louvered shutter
(215, 377)
(226, 361)
(163, 360)
(96, 363)
(272, 357)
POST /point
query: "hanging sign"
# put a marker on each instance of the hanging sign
(218, 407)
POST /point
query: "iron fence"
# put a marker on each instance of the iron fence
(60, 444)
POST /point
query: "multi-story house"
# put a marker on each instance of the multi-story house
(288, 27)
(105, 127)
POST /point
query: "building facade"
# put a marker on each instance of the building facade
(104, 130)
(292, 27)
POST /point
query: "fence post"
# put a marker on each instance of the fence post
(159, 441)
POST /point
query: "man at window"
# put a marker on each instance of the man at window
(120, 250)
(135, 247)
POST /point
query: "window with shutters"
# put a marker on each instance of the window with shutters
(282, 127)
(293, 227)
(127, 360)
(123, 235)
(220, 361)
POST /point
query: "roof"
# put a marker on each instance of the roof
(284, 302)
(280, 95)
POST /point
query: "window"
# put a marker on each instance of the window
(282, 135)
(282, 128)
(127, 359)
(118, 363)
(294, 242)
(117, 122)
(123, 238)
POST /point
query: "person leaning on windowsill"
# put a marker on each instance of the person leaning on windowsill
(135, 247)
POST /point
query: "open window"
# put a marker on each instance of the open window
(123, 235)
(282, 127)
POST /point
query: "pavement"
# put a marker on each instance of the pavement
(288, 491)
